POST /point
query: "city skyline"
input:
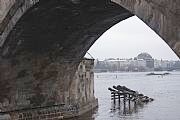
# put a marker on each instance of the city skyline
(142, 63)
(118, 58)
(129, 38)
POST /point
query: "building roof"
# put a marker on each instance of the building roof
(144, 56)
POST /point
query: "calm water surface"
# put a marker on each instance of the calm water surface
(165, 90)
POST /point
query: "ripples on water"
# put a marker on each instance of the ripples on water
(164, 89)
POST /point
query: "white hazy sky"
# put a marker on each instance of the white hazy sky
(129, 38)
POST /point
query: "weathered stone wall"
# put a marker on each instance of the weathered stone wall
(162, 16)
(40, 56)
(84, 87)
(10, 12)
(34, 81)
(63, 101)
(5, 6)
(42, 89)
(40, 50)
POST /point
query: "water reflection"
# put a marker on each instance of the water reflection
(120, 110)
(126, 108)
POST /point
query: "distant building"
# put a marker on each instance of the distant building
(164, 65)
(143, 62)
(148, 58)
(176, 65)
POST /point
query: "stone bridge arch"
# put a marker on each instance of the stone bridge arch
(42, 43)
(161, 16)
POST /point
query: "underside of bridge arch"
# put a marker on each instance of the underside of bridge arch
(40, 56)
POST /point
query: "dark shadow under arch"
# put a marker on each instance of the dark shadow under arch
(62, 27)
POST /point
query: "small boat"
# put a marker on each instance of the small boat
(158, 73)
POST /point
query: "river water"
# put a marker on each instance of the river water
(164, 89)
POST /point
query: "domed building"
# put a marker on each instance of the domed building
(148, 58)
(144, 56)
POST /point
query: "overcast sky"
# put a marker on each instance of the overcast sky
(129, 38)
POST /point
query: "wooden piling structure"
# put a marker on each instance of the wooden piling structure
(118, 92)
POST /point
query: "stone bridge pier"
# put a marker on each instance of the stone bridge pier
(42, 43)
(40, 54)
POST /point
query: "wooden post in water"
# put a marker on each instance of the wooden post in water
(124, 107)
(129, 100)
(124, 100)
(119, 99)
(114, 97)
